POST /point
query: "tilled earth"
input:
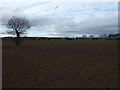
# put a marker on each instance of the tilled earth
(60, 64)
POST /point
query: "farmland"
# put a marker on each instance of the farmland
(60, 64)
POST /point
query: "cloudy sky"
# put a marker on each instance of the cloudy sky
(56, 19)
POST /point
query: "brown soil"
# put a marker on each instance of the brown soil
(60, 64)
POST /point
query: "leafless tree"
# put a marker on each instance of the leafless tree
(18, 26)
(84, 36)
(91, 36)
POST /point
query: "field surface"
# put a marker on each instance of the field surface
(60, 64)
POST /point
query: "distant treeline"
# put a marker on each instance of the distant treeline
(103, 36)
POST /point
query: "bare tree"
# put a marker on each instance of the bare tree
(104, 36)
(92, 36)
(84, 36)
(18, 26)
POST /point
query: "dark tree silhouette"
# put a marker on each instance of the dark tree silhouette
(18, 26)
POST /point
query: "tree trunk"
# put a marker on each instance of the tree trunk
(18, 38)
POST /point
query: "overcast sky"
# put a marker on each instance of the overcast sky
(63, 18)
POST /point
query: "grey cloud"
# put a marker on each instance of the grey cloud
(41, 21)
(69, 26)
(65, 26)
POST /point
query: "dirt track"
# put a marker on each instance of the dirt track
(60, 64)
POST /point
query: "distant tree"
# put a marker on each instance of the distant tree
(18, 26)
(118, 36)
(84, 36)
(104, 36)
(100, 36)
(92, 36)
(114, 36)
(77, 38)
(111, 36)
